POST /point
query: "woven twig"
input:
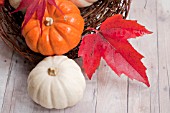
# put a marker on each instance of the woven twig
(10, 24)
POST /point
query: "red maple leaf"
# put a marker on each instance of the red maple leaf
(1, 2)
(35, 6)
(110, 43)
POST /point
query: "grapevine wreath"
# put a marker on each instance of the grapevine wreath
(62, 30)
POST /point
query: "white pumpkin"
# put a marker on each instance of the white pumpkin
(83, 3)
(56, 82)
(14, 3)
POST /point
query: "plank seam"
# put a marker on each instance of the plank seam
(9, 75)
(157, 51)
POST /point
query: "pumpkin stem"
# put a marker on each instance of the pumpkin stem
(52, 71)
(49, 21)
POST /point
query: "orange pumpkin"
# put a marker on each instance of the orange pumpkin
(61, 32)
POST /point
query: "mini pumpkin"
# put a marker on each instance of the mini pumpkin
(83, 3)
(61, 30)
(56, 82)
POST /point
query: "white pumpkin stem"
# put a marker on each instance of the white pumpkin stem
(52, 71)
(49, 21)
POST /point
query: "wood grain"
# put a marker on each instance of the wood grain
(142, 99)
(16, 99)
(5, 69)
(112, 91)
(163, 28)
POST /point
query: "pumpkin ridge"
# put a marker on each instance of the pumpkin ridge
(36, 26)
(50, 40)
(61, 88)
(63, 35)
(30, 29)
(52, 94)
(41, 89)
(37, 46)
(64, 22)
(29, 43)
(35, 94)
(48, 98)
(47, 79)
(64, 90)
(67, 40)
(47, 44)
(65, 25)
(38, 42)
(38, 90)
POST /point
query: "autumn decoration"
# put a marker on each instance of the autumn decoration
(61, 29)
(111, 43)
(56, 82)
(90, 29)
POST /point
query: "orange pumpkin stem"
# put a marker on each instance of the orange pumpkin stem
(49, 21)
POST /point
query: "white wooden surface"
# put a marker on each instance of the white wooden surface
(106, 92)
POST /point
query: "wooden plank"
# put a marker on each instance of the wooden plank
(111, 90)
(5, 67)
(140, 98)
(16, 99)
(163, 22)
